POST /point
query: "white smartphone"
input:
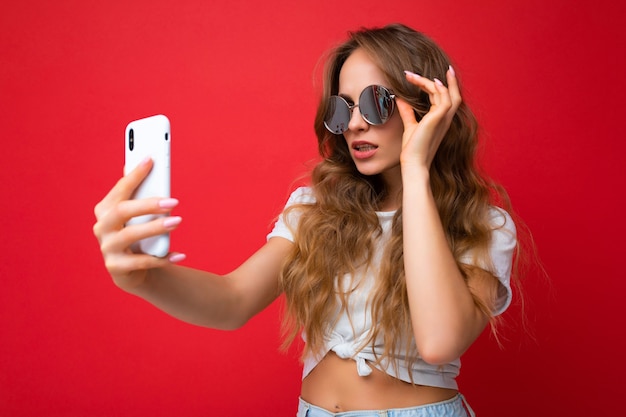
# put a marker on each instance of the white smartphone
(151, 137)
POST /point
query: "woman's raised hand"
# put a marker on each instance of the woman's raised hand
(421, 140)
(129, 269)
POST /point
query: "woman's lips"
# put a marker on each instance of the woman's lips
(363, 150)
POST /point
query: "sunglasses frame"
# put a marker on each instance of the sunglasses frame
(351, 107)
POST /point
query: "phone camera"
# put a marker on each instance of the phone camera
(167, 136)
(131, 139)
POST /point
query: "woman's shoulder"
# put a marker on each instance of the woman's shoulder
(500, 219)
(301, 195)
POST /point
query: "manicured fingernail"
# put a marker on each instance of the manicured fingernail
(145, 160)
(172, 221)
(168, 203)
(177, 257)
(412, 74)
(438, 82)
(452, 71)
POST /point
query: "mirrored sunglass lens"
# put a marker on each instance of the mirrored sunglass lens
(337, 116)
(376, 104)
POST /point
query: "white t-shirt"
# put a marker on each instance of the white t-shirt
(354, 323)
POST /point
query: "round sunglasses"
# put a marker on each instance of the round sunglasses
(376, 104)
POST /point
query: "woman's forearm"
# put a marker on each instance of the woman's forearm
(222, 302)
(444, 316)
(191, 295)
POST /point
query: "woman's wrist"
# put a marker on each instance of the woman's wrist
(413, 172)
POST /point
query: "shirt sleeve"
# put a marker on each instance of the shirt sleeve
(501, 250)
(285, 225)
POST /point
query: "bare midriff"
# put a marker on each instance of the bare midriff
(335, 386)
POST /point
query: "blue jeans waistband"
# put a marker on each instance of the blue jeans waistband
(454, 407)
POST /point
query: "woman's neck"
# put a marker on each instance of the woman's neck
(393, 185)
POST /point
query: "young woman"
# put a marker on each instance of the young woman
(392, 262)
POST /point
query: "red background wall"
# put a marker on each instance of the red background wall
(544, 77)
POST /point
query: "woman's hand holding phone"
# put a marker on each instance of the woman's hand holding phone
(133, 221)
(127, 268)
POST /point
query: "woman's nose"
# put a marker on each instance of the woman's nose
(356, 120)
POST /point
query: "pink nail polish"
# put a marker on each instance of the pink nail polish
(172, 221)
(168, 203)
(177, 257)
(439, 83)
(412, 74)
(452, 71)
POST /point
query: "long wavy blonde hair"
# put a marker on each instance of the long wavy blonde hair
(336, 234)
